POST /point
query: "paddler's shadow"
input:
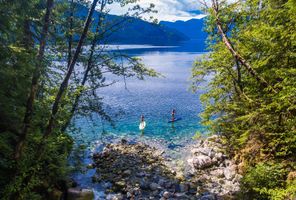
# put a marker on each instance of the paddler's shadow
(142, 132)
(173, 128)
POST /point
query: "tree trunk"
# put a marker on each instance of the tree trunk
(88, 68)
(35, 82)
(64, 85)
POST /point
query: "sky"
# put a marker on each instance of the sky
(168, 10)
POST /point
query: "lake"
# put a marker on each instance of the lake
(153, 97)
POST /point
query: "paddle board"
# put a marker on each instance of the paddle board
(177, 119)
(142, 126)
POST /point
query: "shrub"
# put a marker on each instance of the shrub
(265, 181)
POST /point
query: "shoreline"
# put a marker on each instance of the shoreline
(129, 170)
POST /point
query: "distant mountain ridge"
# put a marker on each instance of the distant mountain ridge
(192, 28)
(137, 31)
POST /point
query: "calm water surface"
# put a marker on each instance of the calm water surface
(152, 97)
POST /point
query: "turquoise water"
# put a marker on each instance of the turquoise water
(153, 97)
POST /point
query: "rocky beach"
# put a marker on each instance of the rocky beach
(139, 171)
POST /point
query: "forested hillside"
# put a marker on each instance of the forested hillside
(251, 97)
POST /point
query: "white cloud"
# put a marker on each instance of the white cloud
(168, 10)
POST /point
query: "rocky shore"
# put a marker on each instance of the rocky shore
(209, 166)
(138, 171)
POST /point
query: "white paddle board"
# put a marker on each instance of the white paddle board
(142, 126)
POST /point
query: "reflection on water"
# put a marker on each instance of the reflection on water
(154, 98)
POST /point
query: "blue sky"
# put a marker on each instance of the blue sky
(168, 10)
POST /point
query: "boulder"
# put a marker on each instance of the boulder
(80, 194)
(201, 162)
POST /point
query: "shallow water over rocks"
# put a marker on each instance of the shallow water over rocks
(131, 169)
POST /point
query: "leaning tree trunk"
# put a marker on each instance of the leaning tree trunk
(35, 82)
(64, 84)
(88, 68)
(235, 54)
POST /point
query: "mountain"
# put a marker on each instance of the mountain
(193, 28)
(136, 31)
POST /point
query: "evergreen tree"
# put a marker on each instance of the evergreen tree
(41, 91)
(250, 97)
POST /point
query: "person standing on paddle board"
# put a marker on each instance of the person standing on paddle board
(142, 123)
(173, 115)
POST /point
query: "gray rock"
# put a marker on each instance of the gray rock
(128, 195)
(161, 182)
(184, 187)
(200, 162)
(217, 173)
(144, 185)
(208, 197)
(167, 194)
(114, 197)
(80, 194)
(214, 159)
(127, 172)
(228, 163)
(154, 186)
(107, 185)
(118, 197)
(229, 173)
(140, 174)
(180, 196)
(237, 178)
(168, 184)
(219, 156)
